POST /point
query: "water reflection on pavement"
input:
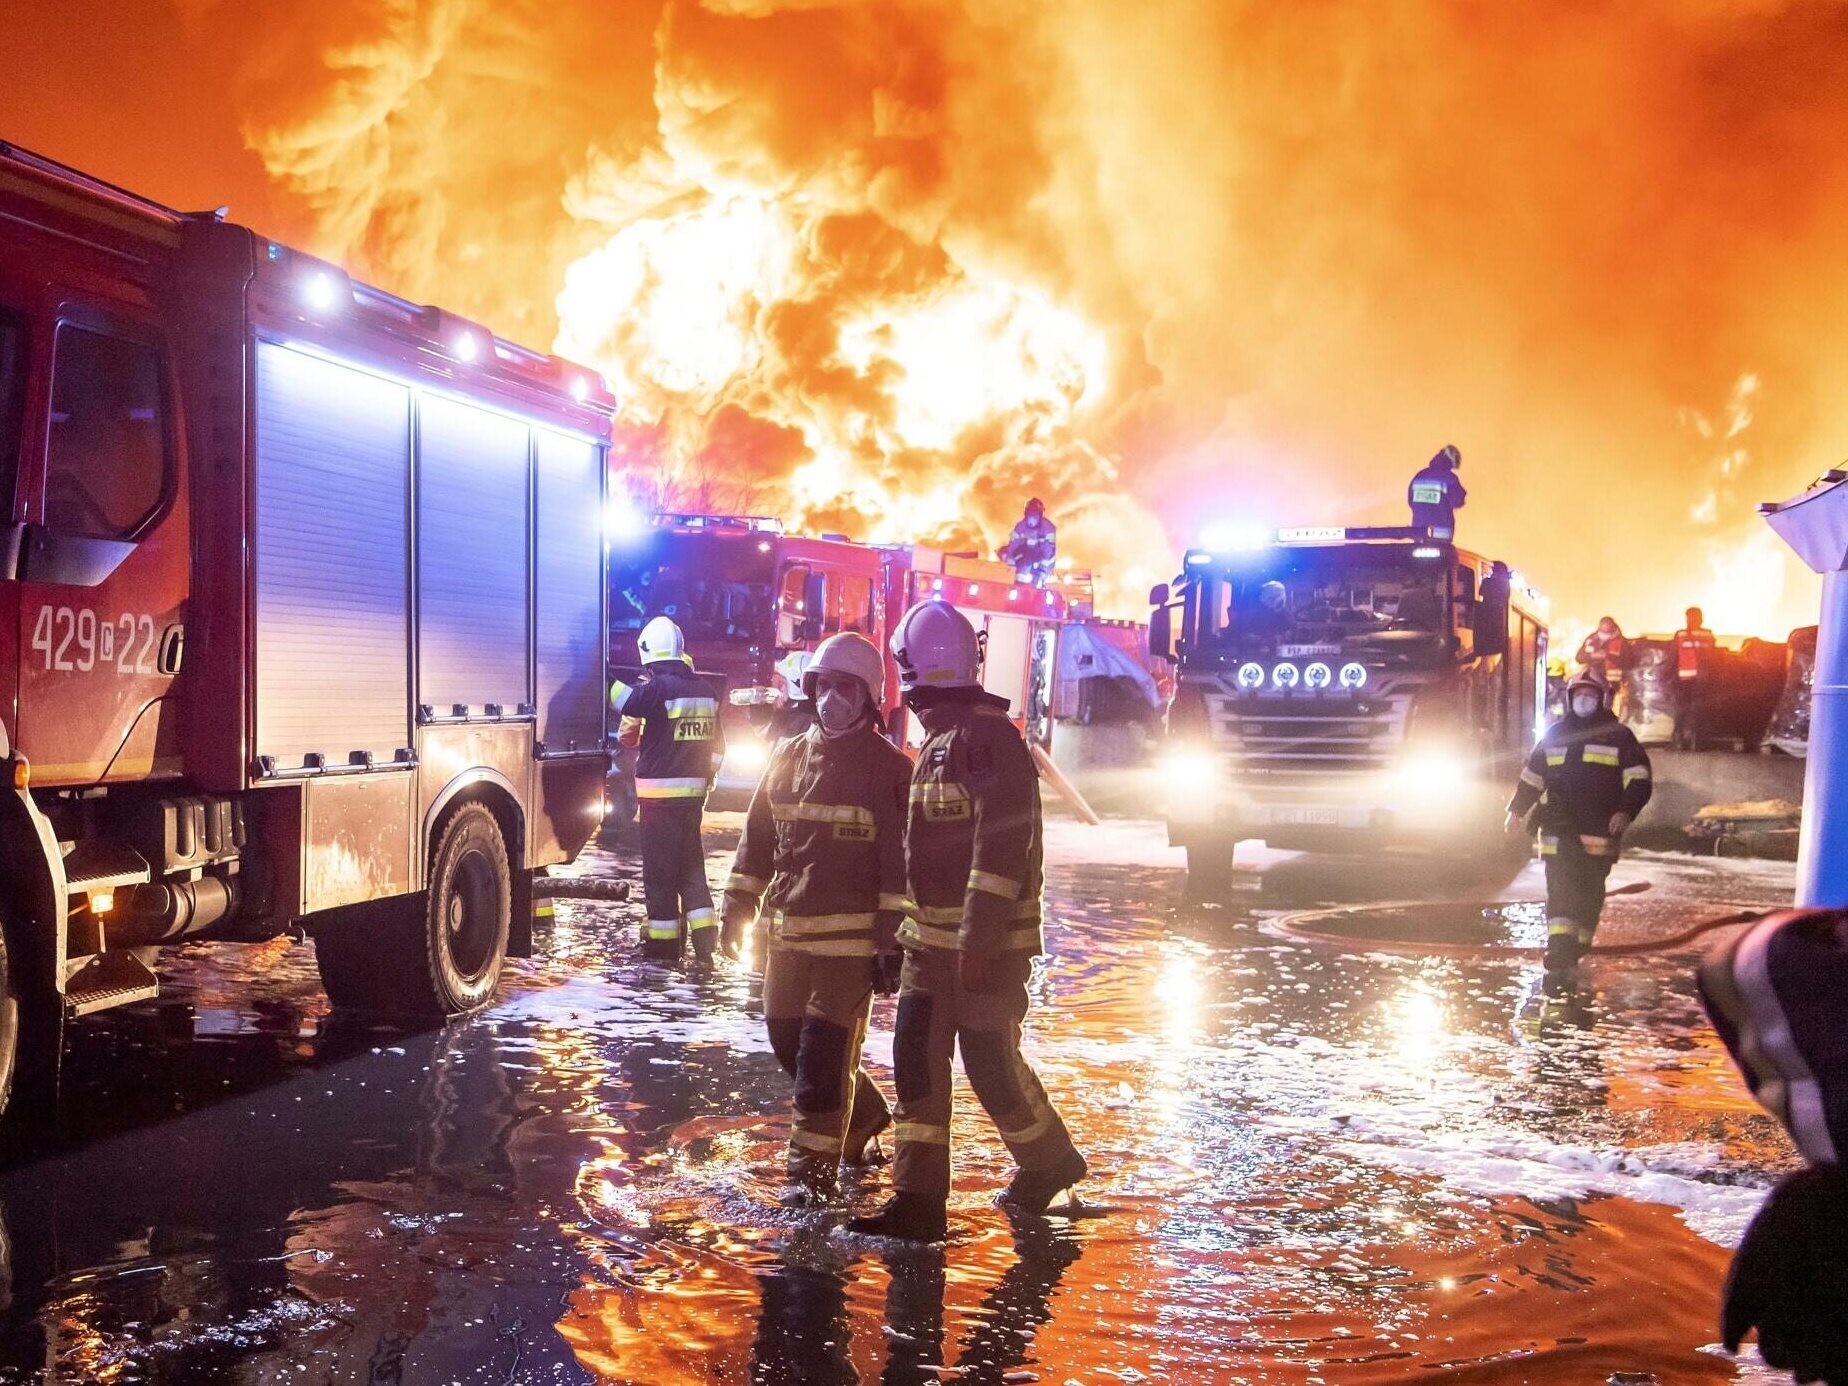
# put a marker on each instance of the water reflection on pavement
(1310, 1164)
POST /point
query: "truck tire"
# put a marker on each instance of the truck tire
(435, 954)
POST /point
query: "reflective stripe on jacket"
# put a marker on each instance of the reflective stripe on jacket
(1581, 773)
(823, 850)
(973, 840)
(680, 738)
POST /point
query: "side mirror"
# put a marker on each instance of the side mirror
(1161, 631)
(1158, 594)
(1490, 624)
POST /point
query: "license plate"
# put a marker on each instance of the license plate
(1307, 651)
(1303, 818)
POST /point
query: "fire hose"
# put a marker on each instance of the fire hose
(579, 888)
(1298, 928)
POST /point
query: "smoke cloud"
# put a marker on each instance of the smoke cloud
(891, 267)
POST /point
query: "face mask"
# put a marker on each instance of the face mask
(839, 712)
(1584, 704)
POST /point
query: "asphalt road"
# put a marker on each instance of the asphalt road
(1316, 1163)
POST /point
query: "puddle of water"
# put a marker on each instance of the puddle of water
(1313, 1165)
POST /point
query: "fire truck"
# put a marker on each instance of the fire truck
(301, 614)
(746, 594)
(1344, 690)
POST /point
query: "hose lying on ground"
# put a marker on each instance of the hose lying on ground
(1297, 928)
(579, 888)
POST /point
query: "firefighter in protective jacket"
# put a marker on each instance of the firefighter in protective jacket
(1436, 493)
(823, 854)
(1588, 778)
(974, 865)
(673, 716)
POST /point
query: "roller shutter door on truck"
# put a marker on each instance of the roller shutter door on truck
(472, 472)
(568, 570)
(331, 560)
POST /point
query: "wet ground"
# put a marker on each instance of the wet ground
(1315, 1160)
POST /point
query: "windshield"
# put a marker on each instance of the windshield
(714, 587)
(12, 398)
(1323, 597)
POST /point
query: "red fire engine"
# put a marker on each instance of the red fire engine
(746, 595)
(300, 614)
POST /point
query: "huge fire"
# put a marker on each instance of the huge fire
(891, 266)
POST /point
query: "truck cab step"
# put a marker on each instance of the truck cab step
(109, 979)
(103, 866)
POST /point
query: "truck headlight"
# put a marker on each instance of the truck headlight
(1318, 675)
(1353, 675)
(747, 757)
(1187, 770)
(1286, 675)
(1436, 771)
(1251, 676)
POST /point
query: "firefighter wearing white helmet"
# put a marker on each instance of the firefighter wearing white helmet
(673, 716)
(823, 858)
(975, 863)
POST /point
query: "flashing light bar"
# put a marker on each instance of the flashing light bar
(1313, 534)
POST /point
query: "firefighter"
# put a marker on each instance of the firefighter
(673, 719)
(1033, 545)
(1588, 778)
(1606, 653)
(795, 714)
(1694, 646)
(973, 850)
(1603, 652)
(1436, 494)
(823, 853)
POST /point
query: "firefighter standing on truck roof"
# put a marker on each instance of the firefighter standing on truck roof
(824, 852)
(975, 869)
(1436, 494)
(674, 718)
(1033, 547)
(1588, 777)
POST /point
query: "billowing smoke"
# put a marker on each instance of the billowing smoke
(891, 267)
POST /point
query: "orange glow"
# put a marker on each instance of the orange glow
(891, 267)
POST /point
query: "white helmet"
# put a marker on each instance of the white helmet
(790, 669)
(935, 647)
(661, 639)
(848, 653)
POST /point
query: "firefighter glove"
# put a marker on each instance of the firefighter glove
(886, 969)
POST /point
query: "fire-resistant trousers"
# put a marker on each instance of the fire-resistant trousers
(816, 1008)
(1574, 900)
(935, 1015)
(674, 886)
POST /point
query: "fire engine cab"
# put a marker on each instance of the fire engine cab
(301, 614)
(1344, 690)
(747, 595)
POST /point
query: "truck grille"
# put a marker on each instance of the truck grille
(1305, 748)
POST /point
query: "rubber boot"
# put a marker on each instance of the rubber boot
(1032, 1190)
(811, 1182)
(907, 1217)
(704, 948)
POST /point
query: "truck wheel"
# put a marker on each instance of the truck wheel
(1209, 869)
(468, 911)
(439, 953)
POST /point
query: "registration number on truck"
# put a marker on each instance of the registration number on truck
(1303, 818)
